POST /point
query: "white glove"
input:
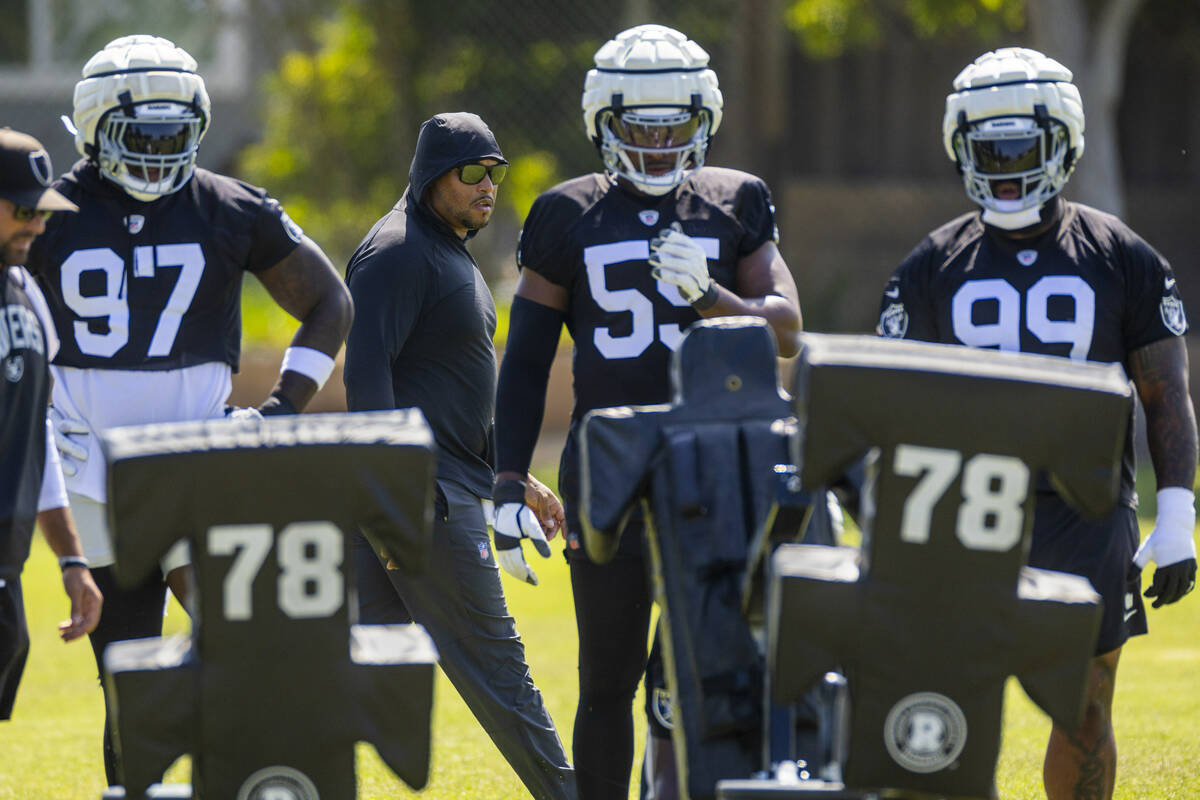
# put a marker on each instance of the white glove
(512, 523)
(1171, 540)
(250, 413)
(1171, 547)
(677, 259)
(72, 437)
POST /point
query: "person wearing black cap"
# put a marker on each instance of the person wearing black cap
(422, 337)
(144, 285)
(31, 480)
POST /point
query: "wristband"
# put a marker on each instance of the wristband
(312, 364)
(1176, 510)
(508, 491)
(708, 299)
(66, 562)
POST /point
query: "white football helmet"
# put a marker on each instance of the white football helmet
(1014, 116)
(650, 106)
(140, 113)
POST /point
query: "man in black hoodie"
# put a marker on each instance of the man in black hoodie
(422, 337)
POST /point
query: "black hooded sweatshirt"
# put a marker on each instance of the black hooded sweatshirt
(423, 315)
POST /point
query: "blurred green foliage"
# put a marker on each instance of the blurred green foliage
(829, 28)
(266, 325)
(327, 112)
(341, 117)
(343, 107)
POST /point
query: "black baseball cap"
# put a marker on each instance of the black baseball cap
(26, 173)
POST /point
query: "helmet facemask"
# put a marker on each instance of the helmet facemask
(150, 148)
(653, 147)
(1031, 152)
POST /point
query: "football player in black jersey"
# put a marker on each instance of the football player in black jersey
(31, 481)
(627, 259)
(1035, 273)
(144, 285)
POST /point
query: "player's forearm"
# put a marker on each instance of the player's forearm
(533, 333)
(327, 323)
(520, 408)
(780, 313)
(306, 286)
(59, 531)
(1160, 373)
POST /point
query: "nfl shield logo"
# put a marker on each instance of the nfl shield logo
(134, 223)
(1026, 257)
(483, 550)
(661, 706)
(648, 216)
(1171, 309)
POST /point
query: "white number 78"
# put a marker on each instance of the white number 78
(309, 554)
(994, 487)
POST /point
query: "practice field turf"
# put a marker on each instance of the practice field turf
(51, 749)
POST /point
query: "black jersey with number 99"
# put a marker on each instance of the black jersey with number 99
(1088, 288)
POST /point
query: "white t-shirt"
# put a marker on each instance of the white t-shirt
(110, 398)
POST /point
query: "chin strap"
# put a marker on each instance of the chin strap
(1013, 220)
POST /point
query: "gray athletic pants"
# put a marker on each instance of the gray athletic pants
(461, 603)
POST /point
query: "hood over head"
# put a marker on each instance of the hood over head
(447, 141)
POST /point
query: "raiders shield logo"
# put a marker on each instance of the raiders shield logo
(893, 322)
(134, 223)
(278, 783)
(14, 367)
(39, 162)
(925, 732)
(648, 216)
(294, 231)
(1171, 309)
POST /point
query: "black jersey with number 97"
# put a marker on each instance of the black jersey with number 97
(156, 285)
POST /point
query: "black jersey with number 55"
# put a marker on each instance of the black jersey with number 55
(591, 237)
(155, 285)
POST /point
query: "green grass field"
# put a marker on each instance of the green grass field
(51, 749)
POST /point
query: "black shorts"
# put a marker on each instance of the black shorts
(14, 643)
(1099, 550)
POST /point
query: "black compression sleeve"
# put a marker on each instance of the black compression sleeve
(533, 331)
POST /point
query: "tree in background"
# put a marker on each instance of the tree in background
(1091, 37)
(342, 118)
(343, 108)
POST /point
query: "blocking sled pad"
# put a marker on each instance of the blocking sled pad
(277, 682)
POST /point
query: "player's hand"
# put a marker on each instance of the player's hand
(86, 601)
(514, 520)
(72, 437)
(252, 414)
(677, 259)
(546, 505)
(1171, 547)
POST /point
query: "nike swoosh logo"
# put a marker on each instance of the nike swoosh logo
(892, 292)
(1129, 614)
